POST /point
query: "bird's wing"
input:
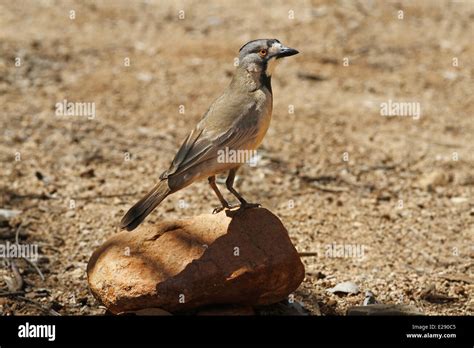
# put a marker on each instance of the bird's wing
(202, 145)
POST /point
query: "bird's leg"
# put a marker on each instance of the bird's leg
(212, 182)
(230, 186)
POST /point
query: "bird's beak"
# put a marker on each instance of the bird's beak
(286, 52)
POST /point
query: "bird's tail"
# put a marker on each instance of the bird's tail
(145, 206)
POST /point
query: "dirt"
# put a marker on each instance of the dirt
(384, 202)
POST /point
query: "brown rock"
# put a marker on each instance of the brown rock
(240, 257)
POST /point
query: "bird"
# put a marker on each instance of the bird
(237, 120)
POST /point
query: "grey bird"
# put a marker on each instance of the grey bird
(237, 120)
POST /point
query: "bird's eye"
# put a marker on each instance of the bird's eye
(263, 52)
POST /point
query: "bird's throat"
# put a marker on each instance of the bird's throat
(271, 64)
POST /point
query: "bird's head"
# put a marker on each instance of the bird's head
(262, 55)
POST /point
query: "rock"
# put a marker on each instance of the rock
(70, 214)
(345, 287)
(459, 200)
(6, 215)
(318, 274)
(9, 213)
(89, 173)
(384, 309)
(369, 298)
(239, 258)
(296, 308)
(463, 178)
(434, 179)
(430, 294)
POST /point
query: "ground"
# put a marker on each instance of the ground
(394, 193)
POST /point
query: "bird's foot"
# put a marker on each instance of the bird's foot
(228, 206)
(241, 206)
(218, 209)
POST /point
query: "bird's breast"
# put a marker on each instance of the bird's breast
(264, 115)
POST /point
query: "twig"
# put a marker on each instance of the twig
(17, 233)
(329, 188)
(40, 306)
(312, 181)
(41, 196)
(311, 77)
(379, 167)
(17, 242)
(11, 293)
(35, 267)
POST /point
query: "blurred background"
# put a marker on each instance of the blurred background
(335, 170)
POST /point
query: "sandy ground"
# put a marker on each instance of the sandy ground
(395, 192)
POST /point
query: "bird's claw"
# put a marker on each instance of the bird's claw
(241, 206)
(232, 206)
(218, 209)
